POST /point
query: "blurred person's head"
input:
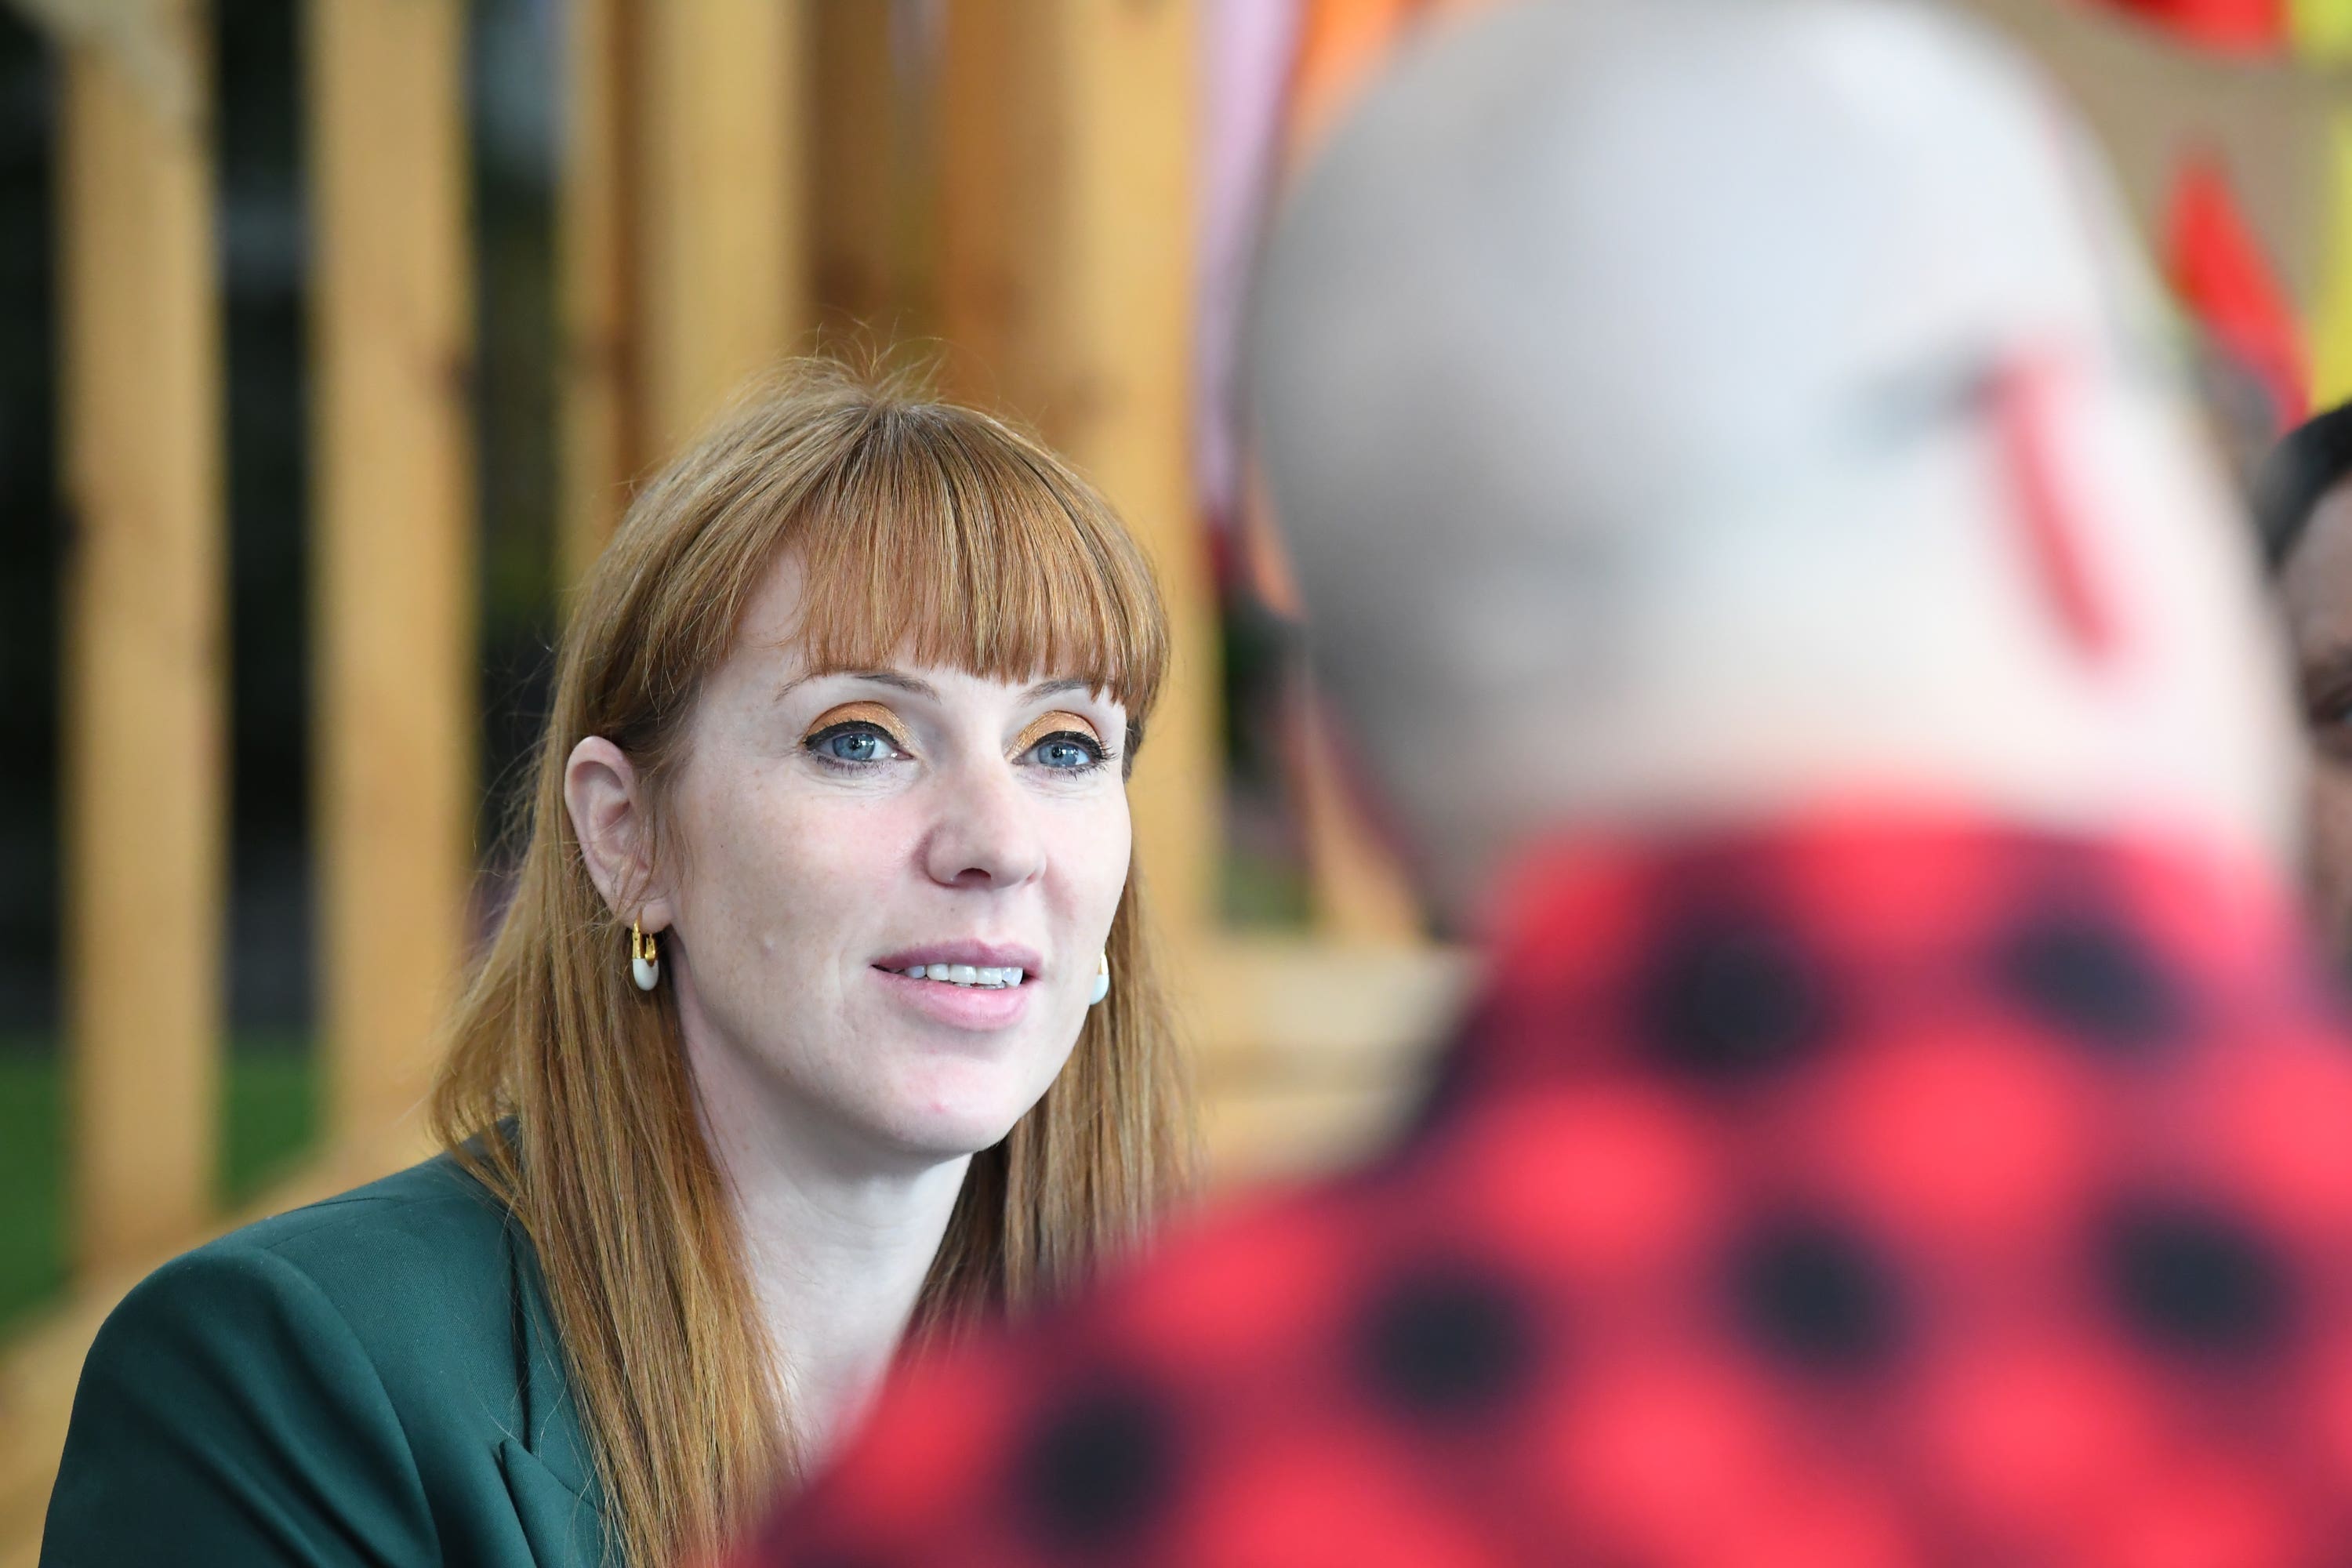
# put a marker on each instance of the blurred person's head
(2303, 505)
(841, 722)
(1700, 409)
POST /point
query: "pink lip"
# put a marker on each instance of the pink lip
(963, 1006)
(979, 955)
(959, 1007)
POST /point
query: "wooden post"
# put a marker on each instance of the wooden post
(1002, 201)
(1066, 297)
(146, 774)
(396, 592)
(601, 441)
(720, 222)
(684, 237)
(858, 176)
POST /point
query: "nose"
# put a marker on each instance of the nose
(985, 833)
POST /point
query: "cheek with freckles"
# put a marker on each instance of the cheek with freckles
(780, 900)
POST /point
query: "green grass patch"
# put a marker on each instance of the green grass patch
(1260, 892)
(272, 1119)
(32, 1182)
(270, 1112)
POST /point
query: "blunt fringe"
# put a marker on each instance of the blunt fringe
(925, 530)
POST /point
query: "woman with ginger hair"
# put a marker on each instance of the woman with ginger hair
(821, 1019)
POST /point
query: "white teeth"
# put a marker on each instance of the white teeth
(967, 974)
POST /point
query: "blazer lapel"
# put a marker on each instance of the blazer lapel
(548, 1473)
(563, 1527)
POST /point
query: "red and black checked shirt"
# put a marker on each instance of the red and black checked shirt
(1851, 1196)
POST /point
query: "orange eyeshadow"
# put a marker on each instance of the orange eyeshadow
(872, 713)
(1053, 723)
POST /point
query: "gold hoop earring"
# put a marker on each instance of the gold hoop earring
(644, 963)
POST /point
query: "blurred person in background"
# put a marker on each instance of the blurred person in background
(1751, 521)
(821, 1018)
(2303, 509)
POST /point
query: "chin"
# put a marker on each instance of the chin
(946, 1116)
(949, 1132)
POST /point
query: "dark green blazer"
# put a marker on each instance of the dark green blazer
(370, 1380)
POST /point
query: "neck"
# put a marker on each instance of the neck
(838, 1237)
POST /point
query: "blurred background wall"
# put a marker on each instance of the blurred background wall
(332, 336)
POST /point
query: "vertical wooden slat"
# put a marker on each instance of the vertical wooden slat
(146, 785)
(601, 441)
(858, 183)
(720, 222)
(1127, 71)
(684, 268)
(394, 591)
(1003, 200)
(1066, 220)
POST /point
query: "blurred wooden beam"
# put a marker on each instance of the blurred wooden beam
(999, 266)
(720, 227)
(857, 169)
(146, 785)
(1066, 134)
(396, 593)
(683, 234)
(1253, 1133)
(601, 440)
(1303, 1010)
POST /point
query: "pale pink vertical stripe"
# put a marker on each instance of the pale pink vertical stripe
(1246, 57)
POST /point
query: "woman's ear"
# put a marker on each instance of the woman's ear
(603, 795)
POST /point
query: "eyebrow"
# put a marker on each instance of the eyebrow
(890, 677)
(1054, 687)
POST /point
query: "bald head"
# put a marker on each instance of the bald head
(1710, 408)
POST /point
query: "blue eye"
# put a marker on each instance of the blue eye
(853, 743)
(1066, 752)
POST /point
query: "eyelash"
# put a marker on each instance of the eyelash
(814, 744)
(1098, 755)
